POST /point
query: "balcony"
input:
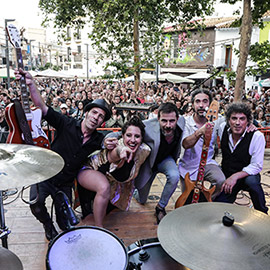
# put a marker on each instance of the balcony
(78, 57)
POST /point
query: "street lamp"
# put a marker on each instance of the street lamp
(30, 51)
(87, 62)
(7, 51)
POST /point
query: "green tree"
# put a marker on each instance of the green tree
(259, 53)
(253, 11)
(129, 32)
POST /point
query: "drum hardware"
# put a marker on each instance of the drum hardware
(9, 260)
(157, 257)
(10, 192)
(201, 237)
(228, 219)
(143, 255)
(67, 211)
(3, 228)
(23, 165)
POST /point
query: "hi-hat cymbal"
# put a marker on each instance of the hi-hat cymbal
(9, 260)
(195, 236)
(23, 165)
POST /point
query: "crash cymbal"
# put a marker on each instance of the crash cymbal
(23, 165)
(200, 237)
(9, 260)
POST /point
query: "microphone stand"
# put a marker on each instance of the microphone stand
(205, 80)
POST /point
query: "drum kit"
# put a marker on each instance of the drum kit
(200, 236)
(20, 166)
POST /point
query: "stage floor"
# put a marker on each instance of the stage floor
(27, 238)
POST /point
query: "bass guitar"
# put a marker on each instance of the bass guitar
(195, 191)
(33, 115)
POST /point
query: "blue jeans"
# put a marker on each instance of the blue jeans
(252, 184)
(169, 168)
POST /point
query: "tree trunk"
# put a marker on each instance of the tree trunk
(136, 51)
(245, 32)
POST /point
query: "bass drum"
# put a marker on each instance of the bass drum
(148, 254)
(86, 248)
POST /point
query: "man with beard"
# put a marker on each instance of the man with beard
(193, 140)
(75, 140)
(163, 135)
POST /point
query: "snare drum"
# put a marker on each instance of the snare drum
(86, 248)
(157, 257)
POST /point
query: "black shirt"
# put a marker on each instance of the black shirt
(235, 161)
(165, 149)
(69, 145)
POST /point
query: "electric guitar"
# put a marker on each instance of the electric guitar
(33, 115)
(195, 191)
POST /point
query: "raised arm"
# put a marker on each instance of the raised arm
(34, 92)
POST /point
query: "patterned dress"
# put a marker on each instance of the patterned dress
(121, 192)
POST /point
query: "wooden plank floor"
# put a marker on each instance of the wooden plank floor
(27, 239)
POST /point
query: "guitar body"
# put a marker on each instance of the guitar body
(34, 119)
(15, 134)
(187, 196)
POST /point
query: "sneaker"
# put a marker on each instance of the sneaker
(50, 231)
(160, 214)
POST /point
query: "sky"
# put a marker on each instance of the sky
(24, 12)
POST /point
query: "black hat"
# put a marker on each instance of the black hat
(100, 103)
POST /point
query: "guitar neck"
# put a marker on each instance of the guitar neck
(24, 92)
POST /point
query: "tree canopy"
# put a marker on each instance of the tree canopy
(126, 31)
(129, 32)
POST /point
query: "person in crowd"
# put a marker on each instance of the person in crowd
(79, 113)
(55, 104)
(70, 109)
(3, 125)
(74, 142)
(111, 174)
(153, 111)
(116, 120)
(242, 157)
(266, 122)
(63, 108)
(193, 140)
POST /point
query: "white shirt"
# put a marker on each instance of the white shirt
(190, 158)
(256, 149)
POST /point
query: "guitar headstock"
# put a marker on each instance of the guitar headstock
(212, 113)
(14, 36)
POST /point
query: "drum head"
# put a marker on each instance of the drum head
(87, 248)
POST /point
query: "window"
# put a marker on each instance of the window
(228, 56)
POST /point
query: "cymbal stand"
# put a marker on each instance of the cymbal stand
(4, 231)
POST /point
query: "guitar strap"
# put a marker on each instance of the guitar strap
(22, 121)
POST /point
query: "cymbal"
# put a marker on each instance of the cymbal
(9, 260)
(195, 236)
(23, 165)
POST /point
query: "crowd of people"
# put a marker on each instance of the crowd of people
(71, 96)
(162, 131)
